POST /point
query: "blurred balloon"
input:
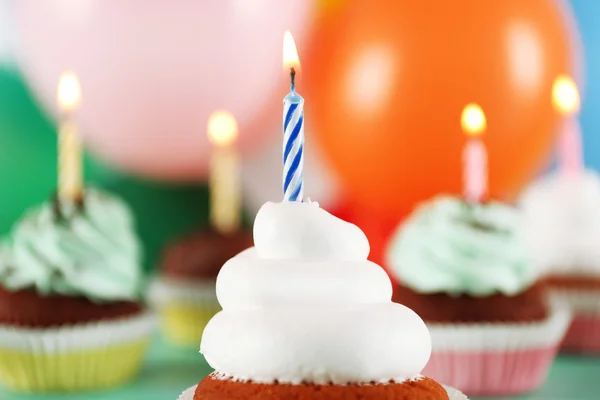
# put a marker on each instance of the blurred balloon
(152, 72)
(262, 175)
(386, 83)
(7, 32)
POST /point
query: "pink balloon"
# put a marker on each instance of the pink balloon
(152, 72)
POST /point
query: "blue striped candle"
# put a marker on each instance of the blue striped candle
(293, 144)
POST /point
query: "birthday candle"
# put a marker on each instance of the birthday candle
(293, 128)
(225, 183)
(70, 180)
(475, 172)
(565, 98)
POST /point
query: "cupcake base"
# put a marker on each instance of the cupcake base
(530, 305)
(212, 388)
(497, 359)
(185, 307)
(183, 324)
(81, 370)
(74, 358)
(27, 308)
(583, 336)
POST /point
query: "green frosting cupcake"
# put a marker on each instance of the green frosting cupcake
(85, 250)
(449, 246)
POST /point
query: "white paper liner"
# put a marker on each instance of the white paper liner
(586, 302)
(503, 336)
(453, 394)
(164, 290)
(78, 337)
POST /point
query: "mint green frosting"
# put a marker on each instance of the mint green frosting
(452, 247)
(90, 251)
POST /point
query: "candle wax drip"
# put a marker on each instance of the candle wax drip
(58, 212)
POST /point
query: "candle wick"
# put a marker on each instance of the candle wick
(80, 203)
(56, 207)
(293, 79)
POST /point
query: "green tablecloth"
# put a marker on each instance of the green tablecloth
(169, 371)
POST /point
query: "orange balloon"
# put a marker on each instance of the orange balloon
(385, 83)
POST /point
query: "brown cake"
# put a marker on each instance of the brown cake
(211, 388)
(572, 282)
(27, 308)
(200, 255)
(527, 306)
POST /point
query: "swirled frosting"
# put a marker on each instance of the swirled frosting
(90, 251)
(305, 305)
(449, 246)
(562, 223)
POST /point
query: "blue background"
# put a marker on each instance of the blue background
(587, 13)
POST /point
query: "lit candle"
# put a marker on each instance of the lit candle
(225, 173)
(70, 181)
(475, 172)
(293, 128)
(565, 98)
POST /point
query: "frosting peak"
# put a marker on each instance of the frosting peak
(450, 246)
(86, 251)
(562, 223)
(294, 230)
(305, 305)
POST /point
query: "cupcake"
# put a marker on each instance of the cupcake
(562, 225)
(70, 311)
(306, 316)
(184, 290)
(465, 270)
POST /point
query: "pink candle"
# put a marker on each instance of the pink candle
(475, 171)
(565, 98)
(569, 148)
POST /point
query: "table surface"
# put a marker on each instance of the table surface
(168, 371)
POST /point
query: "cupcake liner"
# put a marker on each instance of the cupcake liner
(74, 358)
(183, 324)
(583, 335)
(185, 308)
(453, 394)
(164, 290)
(497, 359)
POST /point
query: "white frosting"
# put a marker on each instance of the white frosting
(305, 305)
(305, 231)
(562, 224)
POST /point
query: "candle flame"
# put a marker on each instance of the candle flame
(222, 128)
(565, 96)
(290, 53)
(69, 91)
(473, 120)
